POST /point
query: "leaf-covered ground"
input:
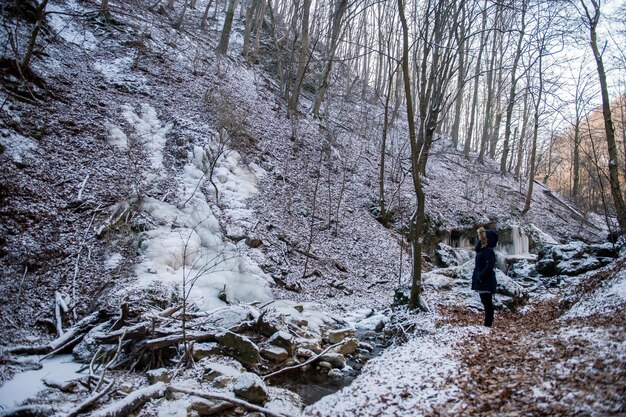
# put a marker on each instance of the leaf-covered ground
(553, 358)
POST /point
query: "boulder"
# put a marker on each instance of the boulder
(337, 360)
(314, 345)
(285, 402)
(231, 316)
(239, 347)
(604, 250)
(435, 281)
(250, 387)
(445, 256)
(337, 335)
(575, 267)
(205, 407)
(349, 347)
(205, 350)
(159, 375)
(274, 353)
(283, 340)
(214, 370)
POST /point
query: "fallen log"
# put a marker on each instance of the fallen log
(132, 402)
(220, 396)
(69, 338)
(136, 332)
(175, 339)
(28, 411)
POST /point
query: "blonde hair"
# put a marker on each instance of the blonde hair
(482, 235)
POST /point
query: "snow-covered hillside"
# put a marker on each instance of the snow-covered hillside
(150, 188)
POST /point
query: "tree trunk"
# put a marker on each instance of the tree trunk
(616, 191)
(512, 92)
(246, 34)
(417, 220)
(468, 137)
(303, 58)
(336, 30)
(222, 48)
(205, 15)
(41, 15)
(460, 86)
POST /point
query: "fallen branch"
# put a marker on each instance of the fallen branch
(70, 337)
(60, 307)
(219, 396)
(132, 402)
(82, 407)
(308, 361)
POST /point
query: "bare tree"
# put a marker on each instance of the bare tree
(592, 17)
(228, 24)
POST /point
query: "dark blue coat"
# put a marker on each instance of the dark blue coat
(484, 277)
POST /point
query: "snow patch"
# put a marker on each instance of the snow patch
(608, 299)
(186, 246)
(25, 385)
(17, 146)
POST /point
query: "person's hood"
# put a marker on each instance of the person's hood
(492, 238)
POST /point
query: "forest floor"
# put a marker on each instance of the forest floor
(542, 360)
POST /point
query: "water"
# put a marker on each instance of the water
(312, 385)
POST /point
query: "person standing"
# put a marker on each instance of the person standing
(484, 277)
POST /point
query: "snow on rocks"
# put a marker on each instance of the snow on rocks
(572, 259)
(405, 380)
(250, 387)
(608, 299)
(16, 146)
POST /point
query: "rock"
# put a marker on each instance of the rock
(435, 281)
(231, 316)
(349, 347)
(314, 345)
(507, 286)
(214, 370)
(254, 242)
(337, 360)
(366, 346)
(337, 335)
(284, 402)
(445, 256)
(239, 347)
(299, 308)
(335, 374)
(325, 365)
(572, 259)
(159, 375)
(250, 387)
(267, 325)
(205, 350)
(222, 381)
(575, 267)
(546, 267)
(304, 353)
(522, 269)
(604, 250)
(274, 354)
(205, 407)
(283, 340)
